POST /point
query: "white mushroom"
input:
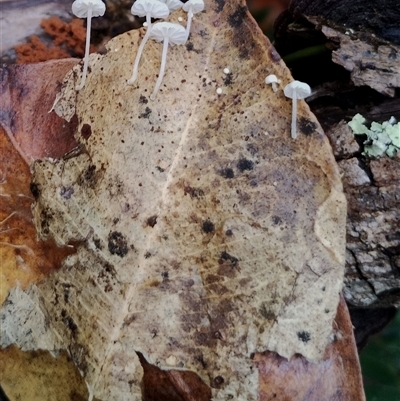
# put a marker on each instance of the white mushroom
(149, 9)
(87, 9)
(168, 33)
(173, 5)
(273, 80)
(192, 7)
(296, 90)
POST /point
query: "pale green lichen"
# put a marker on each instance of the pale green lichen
(381, 138)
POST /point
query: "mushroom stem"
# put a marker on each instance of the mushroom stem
(87, 49)
(146, 37)
(189, 22)
(162, 69)
(294, 116)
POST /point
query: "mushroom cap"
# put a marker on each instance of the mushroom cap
(175, 33)
(196, 6)
(155, 8)
(301, 89)
(271, 78)
(80, 8)
(172, 5)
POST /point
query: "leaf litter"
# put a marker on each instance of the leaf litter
(207, 233)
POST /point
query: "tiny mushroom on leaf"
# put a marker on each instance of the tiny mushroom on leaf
(87, 9)
(168, 33)
(173, 5)
(273, 80)
(192, 7)
(296, 90)
(149, 9)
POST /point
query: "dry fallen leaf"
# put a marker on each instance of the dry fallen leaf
(336, 377)
(208, 233)
(27, 133)
(32, 376)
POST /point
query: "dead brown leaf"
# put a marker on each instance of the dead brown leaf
(38, 376)
(27, 95)
(210, 235)
(24, 258)
(336, 377)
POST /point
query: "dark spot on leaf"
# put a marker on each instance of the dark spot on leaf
(221, 4)
(35, 191)
(228, 79)
(151, 221)
(143, 99)
(304, 336)
(276, 220)
(86, 131)
(236, 19)
(307, 127)
(46, 217)
(227, 173)
(218, 381)
(208, 226)
(229, 232)
(265, 313)
(147, 255)
(66, 288)
(244, 164)
(69, 322)
(161, 170)
(66, 193)
(117, 244)
(146, 113)
(90, 173)
(165, 275)
(200, 358)
(225, 256)
(275, 56)
(189, 283)
(190, 48)
(252, 149)
(97, 243)
(217, 334)
(195, 193)
(129, 319)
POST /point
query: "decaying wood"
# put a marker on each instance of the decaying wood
(372, 189)
(366, 44)
(208, 235)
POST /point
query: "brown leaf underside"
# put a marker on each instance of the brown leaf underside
(189, 191)
(28, 132)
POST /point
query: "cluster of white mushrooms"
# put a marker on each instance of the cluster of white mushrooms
(171, 34)
(295, 90)
(166, 32)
